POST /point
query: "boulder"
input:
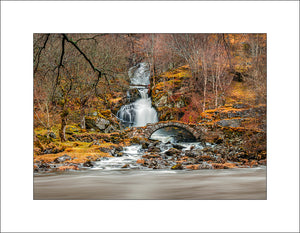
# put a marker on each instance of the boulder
(172, 152)
(153, 149)
(96, 123)
(179, 147)
(126, 166)
(230, 123)
(71, 130)
(88, 163)
(62, 158)
(178, 166)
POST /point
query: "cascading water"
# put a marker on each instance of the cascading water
(140, 112)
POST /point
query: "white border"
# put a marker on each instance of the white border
(19, 20)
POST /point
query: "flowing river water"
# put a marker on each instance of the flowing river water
(118, 178)
(229, 184)
(108, 180)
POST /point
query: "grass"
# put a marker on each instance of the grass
(239, 92)
(80, 152)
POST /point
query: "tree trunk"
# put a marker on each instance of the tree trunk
(62, 131)
(82, 118)
(204, 92)
(216, 93)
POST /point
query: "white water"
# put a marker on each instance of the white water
(130, 155)
(140, 112)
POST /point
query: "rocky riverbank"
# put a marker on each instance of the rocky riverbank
(224, 146)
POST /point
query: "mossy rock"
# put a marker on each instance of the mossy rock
(178, 166)
(96, 123)
(72, 129)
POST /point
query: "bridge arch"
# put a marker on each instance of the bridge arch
(151, 128)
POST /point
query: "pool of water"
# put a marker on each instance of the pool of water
(227, 184)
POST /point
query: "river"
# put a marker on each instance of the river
(226, 184)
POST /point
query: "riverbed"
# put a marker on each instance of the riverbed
(225, 184)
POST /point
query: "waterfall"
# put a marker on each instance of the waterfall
(140, 112)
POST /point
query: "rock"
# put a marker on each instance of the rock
(153, 149)
(66, 168)
(239, 106)
(118, 154)
(96, 123)
(62, 158)
(126, 166)
(218, 140)
(105, 149)
(44, 166)
(35, 168)
(179, 147)
(263, 162)
(223, 166)
(193, 167)
(110, 129)
(132, 95)
(52, 135)
(205, 165)
(149, 156)
(161, 101)
(177, 167)
(71, 130)
(140, 161)
(230, 123)
(253, 163)
(172, 151)
(206, 158)
(193, 153)
(145, 145)
(88, 163)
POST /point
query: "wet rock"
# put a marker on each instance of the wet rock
(153, 149)
(206, 158)
(172, 152)
(253, 163)
(69, 167)
(145, 145)
(118, 154)
(140, 161)
(263, 162)
(88, 164)
(149, 156)
(35, 168)
(177, 167)
(126, 166)
(62, 158)
(205, 166)
(179, 147)
(194, 153)
(43, 166)
(223, 166)
(193, 167)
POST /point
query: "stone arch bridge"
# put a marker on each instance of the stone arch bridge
(196, 130)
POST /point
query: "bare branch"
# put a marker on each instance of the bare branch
(58, 68)
(40, 51)
(91, 38)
